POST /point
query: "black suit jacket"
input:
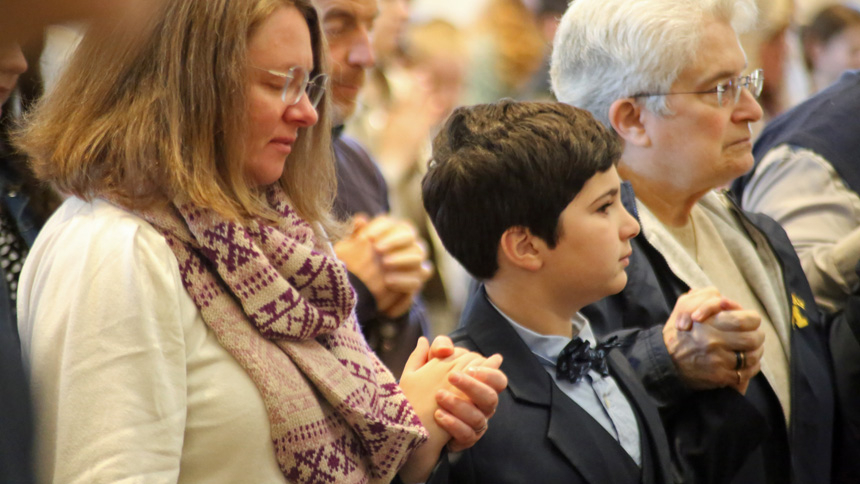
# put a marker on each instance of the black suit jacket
(538, 433)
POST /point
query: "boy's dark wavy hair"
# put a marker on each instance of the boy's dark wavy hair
(508, 164)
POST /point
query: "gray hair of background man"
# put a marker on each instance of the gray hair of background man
(611, 49)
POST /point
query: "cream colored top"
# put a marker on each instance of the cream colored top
(129, 384)
(703, 243)
(750, 252)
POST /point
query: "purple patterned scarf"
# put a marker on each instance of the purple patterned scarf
(281, 304)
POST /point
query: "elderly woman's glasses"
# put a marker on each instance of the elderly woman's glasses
(297, 82)
(727, 91)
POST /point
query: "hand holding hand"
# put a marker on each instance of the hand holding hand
(362, 261)
(389, 259)
(697, 305)
(404, 261)
(744, 340)
(464, 411)
(422, 381)
(703, 335)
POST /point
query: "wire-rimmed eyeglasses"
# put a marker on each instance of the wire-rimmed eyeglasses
(728, 90)
(298, 81)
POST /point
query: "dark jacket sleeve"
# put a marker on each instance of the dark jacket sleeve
(845, 352)
(16, 430)
(365, 304)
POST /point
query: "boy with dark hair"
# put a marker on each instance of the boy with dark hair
(526, 196)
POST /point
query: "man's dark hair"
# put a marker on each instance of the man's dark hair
(510, 164)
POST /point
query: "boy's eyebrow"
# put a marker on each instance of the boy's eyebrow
(612, 192)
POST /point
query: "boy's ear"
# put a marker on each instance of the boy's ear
(625, 115)
(521, 249)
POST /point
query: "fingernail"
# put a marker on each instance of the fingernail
(455, 377)
(697, 315)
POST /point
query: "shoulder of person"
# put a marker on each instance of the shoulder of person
(98, 230)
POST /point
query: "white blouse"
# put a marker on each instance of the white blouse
(129, 384)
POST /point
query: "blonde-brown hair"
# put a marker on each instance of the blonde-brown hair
(145, 118)
(521, 45)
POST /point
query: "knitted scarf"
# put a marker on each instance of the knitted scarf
(281, 304)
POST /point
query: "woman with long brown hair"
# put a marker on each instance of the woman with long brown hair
(182, 315)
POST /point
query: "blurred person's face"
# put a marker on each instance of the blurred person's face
(839, 54)
(388, 30)
(281, 42)
(12, 65)
(703, 145)
(347, 25)
(447, 75)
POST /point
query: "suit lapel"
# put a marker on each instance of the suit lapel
(587, 445)
(580, 439)
(491, 333)
(653, 441)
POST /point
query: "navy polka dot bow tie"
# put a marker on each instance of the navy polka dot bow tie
(578, 357)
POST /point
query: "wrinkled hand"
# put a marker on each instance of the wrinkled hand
(427, 380)
(702, 335)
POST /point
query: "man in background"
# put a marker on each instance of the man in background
(386, 260)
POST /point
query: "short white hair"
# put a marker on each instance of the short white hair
(606, 50)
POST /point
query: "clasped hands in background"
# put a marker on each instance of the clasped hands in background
(387, 255)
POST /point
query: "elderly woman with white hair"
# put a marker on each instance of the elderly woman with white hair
(670, 77)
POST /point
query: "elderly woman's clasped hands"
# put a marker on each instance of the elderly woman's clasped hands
(713, 341)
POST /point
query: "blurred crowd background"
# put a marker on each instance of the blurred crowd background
(434, 55)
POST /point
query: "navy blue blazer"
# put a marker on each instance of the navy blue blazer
(538, 433)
